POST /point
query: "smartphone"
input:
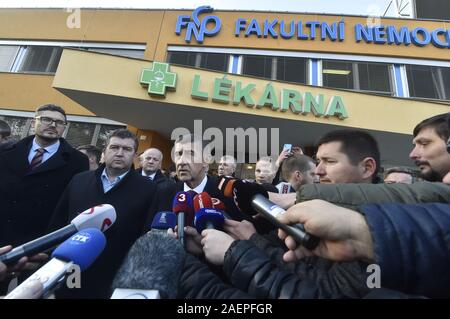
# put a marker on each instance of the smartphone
(287, 147)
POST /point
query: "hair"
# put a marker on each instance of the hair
(230, 159)
(193, 138)
(53, 108)
(438, 123)
(141, 157)
(5, 129)
(123, 133)
(300, 163)
(269, 160)
(356, 144)
(399, 169)
(190, 138)
(92, 151)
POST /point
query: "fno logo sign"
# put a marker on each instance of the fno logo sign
(334, 31)
(209, 25)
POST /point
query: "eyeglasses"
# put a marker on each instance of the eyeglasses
(49, 121)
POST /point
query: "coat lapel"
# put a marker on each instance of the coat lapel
(17, 159)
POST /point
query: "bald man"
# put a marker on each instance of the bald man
(151, 161)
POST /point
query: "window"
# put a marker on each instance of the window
(428, 81)
(291, 69)
(8, 54)
(40, 59)
(210, 61)
(131, 53)
(80, 133)
(257, 65)
(19, 126)
(361, 76)
(103, 134)
(275, 68)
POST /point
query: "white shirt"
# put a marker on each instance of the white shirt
(49, 151)
(152, 176)
(199, 188)
(107, 185)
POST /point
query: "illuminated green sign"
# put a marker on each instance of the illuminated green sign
(226, 91)
(158, 78)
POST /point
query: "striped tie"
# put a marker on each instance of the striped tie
(37, 159)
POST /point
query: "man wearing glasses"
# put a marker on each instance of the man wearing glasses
(33, 174)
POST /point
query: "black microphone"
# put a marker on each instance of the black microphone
(270, 211)
(152, 268)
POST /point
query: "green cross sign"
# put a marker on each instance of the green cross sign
(158, 78)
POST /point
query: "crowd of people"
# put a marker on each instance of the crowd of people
(398, 219)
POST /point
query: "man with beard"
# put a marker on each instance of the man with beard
(430, 152)
(34, 173)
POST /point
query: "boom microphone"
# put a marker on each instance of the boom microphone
(81, 249)
(152, 267)
(270, 211)
(101, 217)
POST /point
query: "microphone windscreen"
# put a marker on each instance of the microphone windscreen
(242, 193)
(202, 200)
(82, 249)
(183, 202)
(164, 220)
(154, 262)
(206, 216)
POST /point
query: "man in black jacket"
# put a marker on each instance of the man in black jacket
(118, 184)
(380, 233)
(151, 160)
(34, 173)
(192, 167)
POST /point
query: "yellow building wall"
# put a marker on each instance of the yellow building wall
(156, 30)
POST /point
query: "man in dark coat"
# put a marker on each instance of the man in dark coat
(151, 160)
(192, 169)
(116, 183)
(34, 173)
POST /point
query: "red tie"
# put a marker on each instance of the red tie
(37, 159)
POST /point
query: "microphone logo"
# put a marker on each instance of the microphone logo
(91, 210)
(181, 198)
(106, 224)
(80, 238)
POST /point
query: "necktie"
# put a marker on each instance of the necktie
(37, 159)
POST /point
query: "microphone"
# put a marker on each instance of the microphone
(206, 217)
(164, 220)
(202, 200)
(101, 217)
(270, 211)
(184, 209)
(152, 268)
(252, 198)
(218, 204)
(81, 249)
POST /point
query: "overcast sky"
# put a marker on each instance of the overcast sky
(357, 7)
